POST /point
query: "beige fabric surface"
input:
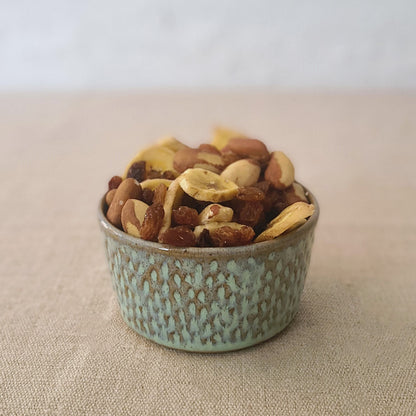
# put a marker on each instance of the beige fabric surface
(64, 349)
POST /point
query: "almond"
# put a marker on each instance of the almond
(128, 189)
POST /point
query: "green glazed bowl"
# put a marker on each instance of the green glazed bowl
(208, 299)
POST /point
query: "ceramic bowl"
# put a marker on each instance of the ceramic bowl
(208, 299)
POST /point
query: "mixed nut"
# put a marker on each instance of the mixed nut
(228, 193)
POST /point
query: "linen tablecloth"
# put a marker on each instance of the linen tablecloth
(64, 349)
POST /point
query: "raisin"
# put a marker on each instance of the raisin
(114, 182)
(168, 174)
(263, 185)
(154, 174)
(152, 222)
(194, 203)
(204, 239)
(229, 237)
(137, 171)
(147, 196)
(249, 212)
(180, 236)
(291, 196)
(185, 216)
(250, 193)
(160, 194)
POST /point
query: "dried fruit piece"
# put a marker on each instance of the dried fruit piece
(160, 194)
(173, 199)
(157, 174)
(288, 218)
(114, 182)
(204, 240)
(204, 185)
(226, 234)
(156, 157)
(223, 135)
(147, 196)
(185, 216)
(250, 193)
(180, 236)
(171, 143)
(263, 185)
(137, 171)
(229, 237)
(154, 183)
(169, 174)
(249, 212)
(194, 158)
(215, 213)
(152, 222)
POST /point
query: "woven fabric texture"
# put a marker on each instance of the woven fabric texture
(64, 348)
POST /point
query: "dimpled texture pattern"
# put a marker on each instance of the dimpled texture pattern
(212, 303)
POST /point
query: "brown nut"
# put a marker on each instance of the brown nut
(132, 216)
(128, 189)
(216, 213)
(244, 172)
(109, 196)
(280, 171)
(190, 158)
(222, 136)
(251, 148)
(295, 193)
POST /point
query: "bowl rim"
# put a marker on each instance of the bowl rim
(270, 245)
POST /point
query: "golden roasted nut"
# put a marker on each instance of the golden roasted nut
(215, 213)
(204, 185)
(290, 217)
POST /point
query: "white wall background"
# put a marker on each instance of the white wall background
(91, 44)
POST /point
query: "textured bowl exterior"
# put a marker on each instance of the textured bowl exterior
(208, 299)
